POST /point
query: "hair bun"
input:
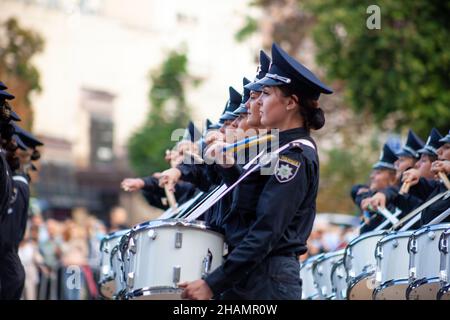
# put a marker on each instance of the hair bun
(316, 118)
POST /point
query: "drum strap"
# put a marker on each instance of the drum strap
(440, 217)
(419, 209)
(388, 215)
(194, 215)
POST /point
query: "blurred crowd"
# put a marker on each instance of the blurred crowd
(61, 258)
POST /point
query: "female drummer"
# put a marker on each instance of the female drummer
(274, 214)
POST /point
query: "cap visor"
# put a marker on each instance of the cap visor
(269, 82)
(15, 116)
(253, 86)
(404, 153)
(445, 139)
(379, 165)
(6, 95)
(240, 110)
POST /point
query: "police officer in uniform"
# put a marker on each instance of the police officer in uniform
(278, 209)
(12, 228)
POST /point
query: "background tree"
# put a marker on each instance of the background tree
(169, 111)
(18, 46)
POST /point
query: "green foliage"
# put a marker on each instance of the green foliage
(249, 28)
(400, 72)
(169, 111)
(18, 46)
(344, 168)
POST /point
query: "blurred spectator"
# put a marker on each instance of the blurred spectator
(32, 261)
(118, 219)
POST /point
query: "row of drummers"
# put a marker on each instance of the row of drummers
(383, 265)
(402, 250)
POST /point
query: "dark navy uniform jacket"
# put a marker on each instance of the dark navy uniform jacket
(153, 193)
(272, 215)
(5, 185)
(421, 192)
(206, 177)
(13, 227)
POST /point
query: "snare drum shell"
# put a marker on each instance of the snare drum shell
(309, 289)
(167, 254)
(393, 257)
(444, 248)
(322, 273)
(106, 269)
(425, 259)
(360, 253)
(339, 280)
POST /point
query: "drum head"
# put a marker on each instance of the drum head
(107, 289)
(444, 293)
(362, 287)
(427, 290)
(393, 291)
(156, 294)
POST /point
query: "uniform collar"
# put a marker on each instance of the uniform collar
(289, 135)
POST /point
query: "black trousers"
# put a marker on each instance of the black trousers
(276, 278)
(12, 273)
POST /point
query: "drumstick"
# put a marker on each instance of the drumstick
(405, 187)
(170, 198)
(247, 143)
(444, 179)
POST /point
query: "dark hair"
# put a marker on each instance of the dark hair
(36, 155)
(309, 108)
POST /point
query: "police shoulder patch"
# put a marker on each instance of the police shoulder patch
(286, 169)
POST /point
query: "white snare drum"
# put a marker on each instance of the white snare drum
(309, 289)
(339, 280)
(424, 260)
(392, 266)
(360, 264)
(444, 292)
(321, 271)
(163, 253)
(107, 275)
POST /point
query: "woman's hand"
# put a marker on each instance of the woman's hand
(365, 203)
(131, 185)
(213, 136)
(411, 177)
(378, 201)
(440, 166)
(169, 178)
(196, 290)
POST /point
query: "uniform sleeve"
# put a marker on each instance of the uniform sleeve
(153, 193)
(5, 185)
(423, 188)
(277, 205)
(203, 176)
(22, 205)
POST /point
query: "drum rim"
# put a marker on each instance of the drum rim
(352, 282)
(396, 235)
(101, 286)
(443, 290)
(388, 284)
(330, 254)
(113, 235)
(365, 236)
(310, 260)
(154, 224)
(416, 283)
(433, 227)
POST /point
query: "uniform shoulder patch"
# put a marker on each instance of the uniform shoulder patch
(286, 169)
